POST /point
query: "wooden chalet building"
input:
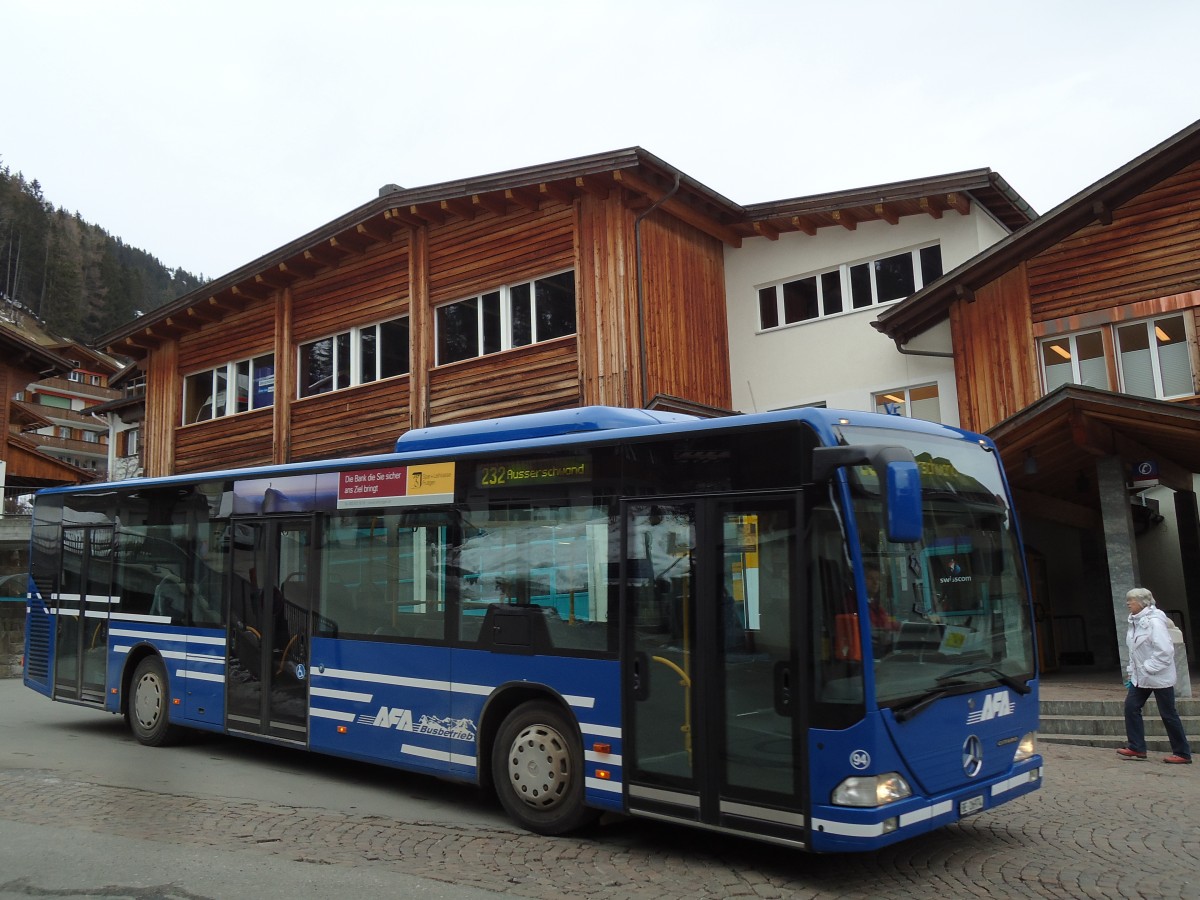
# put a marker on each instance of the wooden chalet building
(1074, 343)
(592, 281)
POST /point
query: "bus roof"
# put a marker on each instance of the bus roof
(539, 430)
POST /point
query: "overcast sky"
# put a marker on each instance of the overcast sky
(211, 133)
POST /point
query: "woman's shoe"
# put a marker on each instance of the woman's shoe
(1176, 760)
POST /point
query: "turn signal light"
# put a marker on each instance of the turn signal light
(603, 774)
(342, 729)
(602, 748)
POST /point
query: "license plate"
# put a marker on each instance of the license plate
(970, 805)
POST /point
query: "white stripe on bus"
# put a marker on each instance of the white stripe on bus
(439, 755)
(334, 714)
(200, 676)
(429, 684)
(603, 784)
(354, 696)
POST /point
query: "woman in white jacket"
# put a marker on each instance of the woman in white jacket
(1151, 671)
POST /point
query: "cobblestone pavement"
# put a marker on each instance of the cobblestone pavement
(1101, 827)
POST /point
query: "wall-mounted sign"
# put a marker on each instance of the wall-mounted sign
(1144, 473)
(413, 485)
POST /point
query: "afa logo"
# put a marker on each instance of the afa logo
(402, 720)
(997, 704)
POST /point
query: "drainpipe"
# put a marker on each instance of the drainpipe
(940, 354)
(641, 303)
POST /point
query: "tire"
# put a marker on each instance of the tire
(537, 768)
(148, 709)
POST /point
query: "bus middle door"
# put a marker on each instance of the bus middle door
(267, 669)
(711, 725)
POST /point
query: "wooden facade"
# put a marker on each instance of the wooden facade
(649, 324)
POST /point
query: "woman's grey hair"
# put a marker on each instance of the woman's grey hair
(1142, 596)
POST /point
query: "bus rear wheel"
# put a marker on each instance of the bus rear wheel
(537, 767)
(149, 705)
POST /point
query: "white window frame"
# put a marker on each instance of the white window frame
(1111, 336)
(1152, 325)
(1073, 344)
(843, 270)
(230, 370)
(506, 317)
(354, 339)
(904, 403)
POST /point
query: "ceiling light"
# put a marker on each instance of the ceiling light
(893, 398)
(1163, 337)
(1061, 351)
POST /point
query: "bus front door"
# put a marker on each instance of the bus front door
(712, 726)
(84, 600)
(267, 670)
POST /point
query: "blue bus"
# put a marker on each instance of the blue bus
(808, 627)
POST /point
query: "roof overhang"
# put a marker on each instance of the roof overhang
(1049, 449)
(927, 307)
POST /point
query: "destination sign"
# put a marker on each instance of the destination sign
(533, 472)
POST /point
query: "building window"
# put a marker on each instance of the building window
(132, 436)
(848, 287)
(1075, 359)
(918, 402)
(1152, 358)
(91, 437)
(206, 394)
(63, 432)
(77, 377)
(511, 316)
(358, 356)
(95, 380)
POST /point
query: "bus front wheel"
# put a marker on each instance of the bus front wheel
(149, 705)
(537, 767)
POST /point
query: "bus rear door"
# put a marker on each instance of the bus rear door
(710, 661)
(267, 669)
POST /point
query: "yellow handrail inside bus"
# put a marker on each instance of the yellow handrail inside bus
(686, 681)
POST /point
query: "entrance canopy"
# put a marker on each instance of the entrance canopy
(1051, 447)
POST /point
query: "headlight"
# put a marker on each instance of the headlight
(1027, 747)
(871, 790)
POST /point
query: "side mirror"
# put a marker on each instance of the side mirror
(899, 483)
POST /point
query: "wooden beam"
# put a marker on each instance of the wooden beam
(1102, 213)
(271, 278)
(375, 232)
(524, 198)
(935, 206)
(678, 208)
(430, 213)
(590, 184)
(1089, 435)
(962, 292)
(887, 212)
(805, 224)
(960, 203)
(458, 206)
(349, 243)
(767, 230)
(402, 217)
(249, 290)
(296, 268)
(321, 256)
(204, 315)
(555, 190)
(845, 218)
(495, 203)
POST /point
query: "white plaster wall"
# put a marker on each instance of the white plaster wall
(1158, 555)
(840, 360)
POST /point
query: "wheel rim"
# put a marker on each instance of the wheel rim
(539, 767)
(147, 700)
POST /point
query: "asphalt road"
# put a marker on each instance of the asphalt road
(85, 811)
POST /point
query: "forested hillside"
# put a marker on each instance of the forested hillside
(80, 280)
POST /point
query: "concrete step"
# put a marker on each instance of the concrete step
(1109, 725)
(1154, 745)
(1101, 723)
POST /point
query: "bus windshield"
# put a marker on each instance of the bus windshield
(949, 613)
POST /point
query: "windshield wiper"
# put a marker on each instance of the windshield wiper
(1002, 676)
(908, 710)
